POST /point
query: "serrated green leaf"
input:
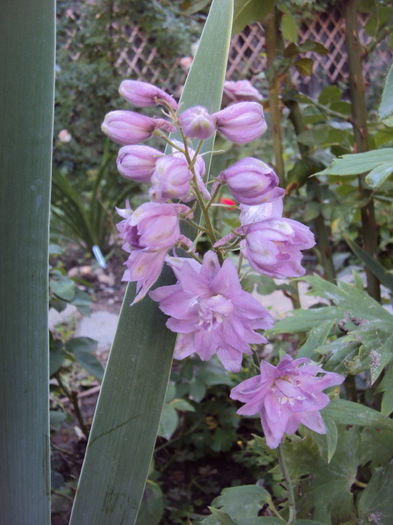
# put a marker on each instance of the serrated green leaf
(316, 338)
(376, 446)
(385, 110)
(376, 503)
(326, 489)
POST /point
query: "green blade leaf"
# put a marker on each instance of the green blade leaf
(27, 44)
(386, 108)
(127, 416)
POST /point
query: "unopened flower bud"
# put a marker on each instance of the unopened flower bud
(197, 122)
(240, 91)
(241, 122)
(137, 162)
(127, 127)
(171, 179)
(143, 94)
(251, 181)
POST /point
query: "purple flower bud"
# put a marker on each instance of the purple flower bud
(241, 122)
(251, 181)
(286, 396)
(171, 179)
(137, 162)
(143, 94)
(197, 123)
(128, 127)
(272, 246)
(240, 91)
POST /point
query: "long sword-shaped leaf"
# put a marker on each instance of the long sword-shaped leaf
(126, 421)
(26, 112)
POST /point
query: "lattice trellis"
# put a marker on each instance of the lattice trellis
(247, 57)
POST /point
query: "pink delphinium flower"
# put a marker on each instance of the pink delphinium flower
(196, 122)
(267, 210)
(143, 94)
(241, 122)
(286, 396)
(171, 179)
(251, 181)
(241, 91)
(148, 233)
(211, 312)
(199, 167)
(137, 162)
(273, 246)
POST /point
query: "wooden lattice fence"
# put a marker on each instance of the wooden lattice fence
(247, 55)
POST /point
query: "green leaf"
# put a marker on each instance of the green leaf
(221, 518)
(182, 405)
(374, 266)
(168, 422)
(385, 110)
(316, 338)
(63, 287)
(325, 488)
(350, 302)
(126, 421)
(82, 348)
(152, 505)
(27, 48)
(386, 386)
(379, 164)
(331, 437)
(56, 358)
(304, 65)
(376, 503)
(289, 27)
(242, 502)
(248, 11)
(349, 413)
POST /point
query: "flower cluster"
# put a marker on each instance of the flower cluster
(207, 306)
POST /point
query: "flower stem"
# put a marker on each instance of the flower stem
(289, 486)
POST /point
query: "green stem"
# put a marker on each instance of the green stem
(359, 123)
(73, 397)
(289, 486)
(272, 41)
